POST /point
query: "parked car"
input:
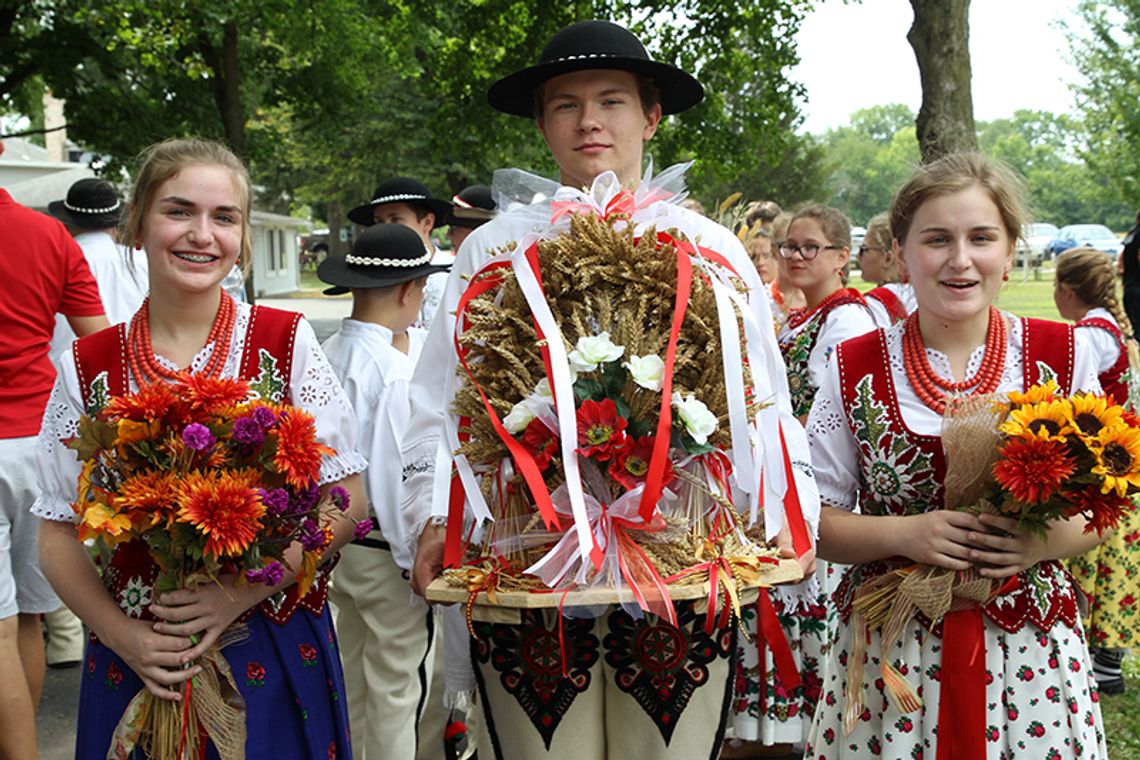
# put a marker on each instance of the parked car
(857, 236)
(1034, 241)
(1092, 235)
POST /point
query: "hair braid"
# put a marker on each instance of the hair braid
(1091, 276)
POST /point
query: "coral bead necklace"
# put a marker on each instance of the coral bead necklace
(930, 388)
(145, 366)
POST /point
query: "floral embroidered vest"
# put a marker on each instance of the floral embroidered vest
(902, 472)
(1112, 381)
(797, 347)
(266, 363)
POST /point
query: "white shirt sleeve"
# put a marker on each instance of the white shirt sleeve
(834, 451)
(847, 321)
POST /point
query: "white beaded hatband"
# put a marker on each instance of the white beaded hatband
(397, 198)
(371, 262)
(81, 210)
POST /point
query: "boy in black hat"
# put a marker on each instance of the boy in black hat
(597, 97)
(403, 200)
(385, 642)
(471, 208)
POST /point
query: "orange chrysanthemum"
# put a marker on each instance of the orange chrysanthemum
(150, 402)
(298, 455)
(1033, 469)
(1104, 511)
(149, 498)
(225, 508)
(214, 395)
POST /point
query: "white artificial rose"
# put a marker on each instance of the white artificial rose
(544, 391)
(589, 352)
(646, 371)
(519, 417)
(696, 417)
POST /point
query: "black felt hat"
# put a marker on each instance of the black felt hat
(594, 45)
(400, 190)
(472, 207)
(91, 204)
(381, 256)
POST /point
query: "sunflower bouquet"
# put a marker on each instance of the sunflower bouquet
(1037, 456)
(603, 413)
(211, 482)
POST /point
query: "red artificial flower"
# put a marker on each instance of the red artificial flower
(630, 463)
(149, 499)
(1033, 469)
(600, 429)
(1104, 511)
(225, 508)
(148, 403)
(298, 455)
(540, 441)
(214, 395)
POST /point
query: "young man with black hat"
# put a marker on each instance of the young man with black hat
(386, 639)
(471, 208)
(597, 98)
(403, 200)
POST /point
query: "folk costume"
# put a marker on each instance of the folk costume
(288, 671)
(890, 303)
(767, 709)
(1110, 573)
(388, 636)
(875, 444)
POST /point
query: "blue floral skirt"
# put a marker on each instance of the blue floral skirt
(290, 676)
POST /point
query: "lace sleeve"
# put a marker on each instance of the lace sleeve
(57, 465)
(317, 391)
(834, 453)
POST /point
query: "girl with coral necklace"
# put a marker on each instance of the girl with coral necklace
(190, 210)
(1008, 680)
(771, 715)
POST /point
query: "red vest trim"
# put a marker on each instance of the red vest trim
(890, 301)
(901, 472)
(1110, 379)
(130, 573)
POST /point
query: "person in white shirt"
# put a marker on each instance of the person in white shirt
(386, 635)
(892, 300)
(596, 97)
(403, 200)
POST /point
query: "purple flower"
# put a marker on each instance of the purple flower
(363, 528)
(265, 417)
(247, 431)
(339, 497)
(303, 501)
(275, 501)
(197, 436)
(312, 537)
(270, 575)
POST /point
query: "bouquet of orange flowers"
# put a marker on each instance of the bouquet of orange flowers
(213, 482)
(1065, 456)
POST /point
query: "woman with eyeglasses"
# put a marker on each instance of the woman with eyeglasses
(771, 716)
(893, 299)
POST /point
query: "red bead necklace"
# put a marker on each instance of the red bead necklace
(932, 389)
(140, 353)
(797, 317)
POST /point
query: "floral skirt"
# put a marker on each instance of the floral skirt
(289, 675)
(1041, 699)
(1110, 576)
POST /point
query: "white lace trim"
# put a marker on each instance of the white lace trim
(340, 466)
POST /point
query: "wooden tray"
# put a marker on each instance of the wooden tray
(442, 592)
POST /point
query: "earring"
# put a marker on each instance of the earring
(1005, 276)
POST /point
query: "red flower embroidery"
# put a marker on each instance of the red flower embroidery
(308, 655)
(254, 674)
(600, 429)
(114, 676)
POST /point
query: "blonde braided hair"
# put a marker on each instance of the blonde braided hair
(1091, 276)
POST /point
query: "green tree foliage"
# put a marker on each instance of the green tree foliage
(1107, 53)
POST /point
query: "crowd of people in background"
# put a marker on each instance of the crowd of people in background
(869, 370)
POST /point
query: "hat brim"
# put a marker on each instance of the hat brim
(514, 93)
(84, 221)
(342, 279)
(362, 215)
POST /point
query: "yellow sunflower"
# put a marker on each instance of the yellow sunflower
(1089, 414)
(1047, 391)
(1117, 451)
(1045, 419)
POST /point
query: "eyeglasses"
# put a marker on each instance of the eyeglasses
(864, 248)
(807, 252)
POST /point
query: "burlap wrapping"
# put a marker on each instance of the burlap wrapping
(970, 439)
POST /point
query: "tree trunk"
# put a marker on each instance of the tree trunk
(940, 37)
(336, 217)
